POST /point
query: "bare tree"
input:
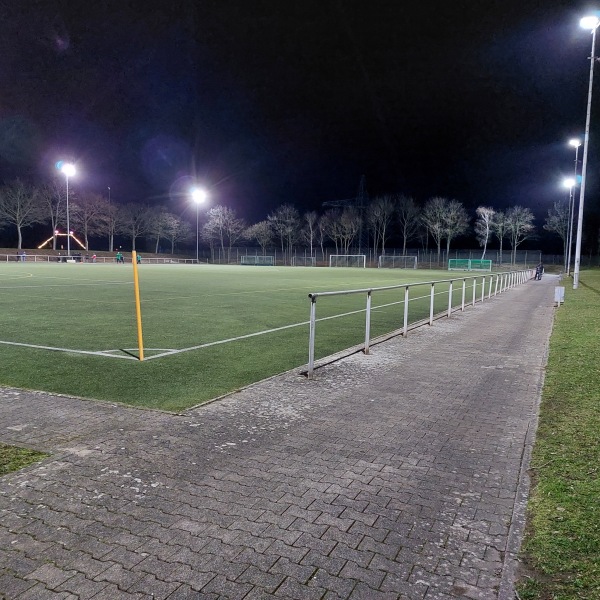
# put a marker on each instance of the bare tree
(456, 222)
(176, 230)
(261, 233)
(85, 214)
(309, 231)
(408, 219)
(321, 234)
(53, 196)
(331, 228)
(519, 228)
(134, 220)
(20, 205)
(350, 222)
(380, 214)
(500, 230)
(223, 227)
(108, 221)
(286, 224)
(156, 226)
(557, 222)
(433, 219)
(483, 226)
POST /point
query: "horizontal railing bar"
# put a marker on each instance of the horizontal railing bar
(315, 295)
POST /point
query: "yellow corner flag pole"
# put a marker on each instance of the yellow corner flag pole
(138, 308)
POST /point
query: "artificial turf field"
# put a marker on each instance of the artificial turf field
(71, 328)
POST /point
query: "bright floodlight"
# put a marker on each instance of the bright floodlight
(68, 169)
(589, 23)
(575, 143)
(569, 182)
(199, 196)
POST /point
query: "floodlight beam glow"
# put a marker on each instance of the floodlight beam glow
(68, 169)
(589, 23)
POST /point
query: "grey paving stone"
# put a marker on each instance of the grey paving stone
(397, 474)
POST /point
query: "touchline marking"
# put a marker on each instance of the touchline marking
(250, 335)
(99, 353)
(168, 352)
(68, 285)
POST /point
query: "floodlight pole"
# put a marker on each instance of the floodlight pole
(68, 225)
(198, 196)
(197, 230)
(68, 170)
(586, 140)
(569, 230)
(572, 213)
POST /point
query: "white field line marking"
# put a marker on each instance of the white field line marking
(68, 285)
(98, 353)
(16, 275)
(250, 335)
(169, 352)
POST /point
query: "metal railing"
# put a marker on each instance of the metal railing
(498, 282)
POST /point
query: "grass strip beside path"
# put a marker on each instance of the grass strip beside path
(13, 458)
(562, 544)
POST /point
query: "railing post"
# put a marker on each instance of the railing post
(431, 302)
(482, 289)
(496, 285)
(474, 289)
(405, 332)
(464, 289)
(368, 323)
(311, 336)
(450, 299)
(490, 287)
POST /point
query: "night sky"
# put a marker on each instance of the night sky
(273, 101)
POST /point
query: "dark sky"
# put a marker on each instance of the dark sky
(273, 101)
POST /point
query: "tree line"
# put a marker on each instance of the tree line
(386, 217)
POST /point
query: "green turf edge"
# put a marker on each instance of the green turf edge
(561, 549)
(13, 458)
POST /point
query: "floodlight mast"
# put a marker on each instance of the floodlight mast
(199, 196)
(68, 170)
(575, 143)
(568, 183)
(592, 24)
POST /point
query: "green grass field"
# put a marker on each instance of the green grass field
(87, 313)
(562, 546)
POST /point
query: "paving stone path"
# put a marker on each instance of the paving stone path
(401, 474)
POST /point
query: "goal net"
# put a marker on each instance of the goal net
(267, 261)
(397, 262)
(348, 260)
(304, 261)
(469, 264)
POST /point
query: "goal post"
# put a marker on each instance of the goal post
(264, 261)
(469, 264)
(348, 260)
(386, 261)
(304, 261)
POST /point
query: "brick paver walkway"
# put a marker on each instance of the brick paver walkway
(394, 475)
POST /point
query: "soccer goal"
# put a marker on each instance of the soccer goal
(469, 264)
(265, 261)
(304, 261)
(348, 260)
(397, 262)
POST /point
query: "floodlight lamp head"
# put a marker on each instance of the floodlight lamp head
(590, 23)
(569, 182)
(575, 142)
(199, 196)
(68, 169)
